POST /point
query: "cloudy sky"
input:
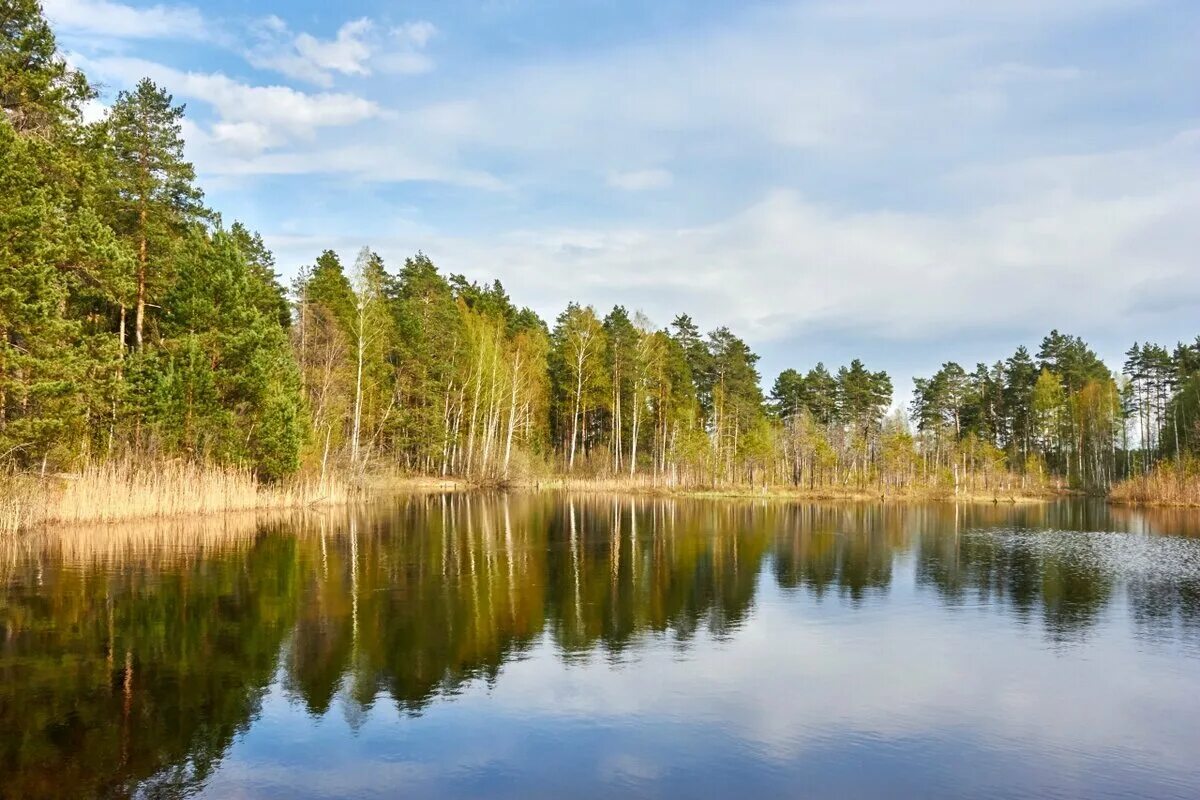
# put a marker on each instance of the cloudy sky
(904, 180)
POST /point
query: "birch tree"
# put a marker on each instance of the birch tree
(578, 341)
(372, 324)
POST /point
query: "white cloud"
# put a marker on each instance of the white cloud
(305, 57)
(250, 117)
(763, 83)
(366, 163)
(355, 49)
(243, 137)
(405, 62)
(104, 18)
(1098, 234)
(414, 34)
(641, 180)
(346, 54)
(280, 111)
(784, 80)
(278, 130)
(405, 51)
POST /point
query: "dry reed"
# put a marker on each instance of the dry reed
(124, 491)
(1168, 484)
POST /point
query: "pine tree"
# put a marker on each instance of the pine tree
(225, 386)
(823, 399)
(55, 254)
(1021, 374)
(39, 92)
(429, 342)
(155, 196)
(789, 394)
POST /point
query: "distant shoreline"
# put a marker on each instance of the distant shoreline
(120, 493)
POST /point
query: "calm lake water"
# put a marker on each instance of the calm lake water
(542, 646)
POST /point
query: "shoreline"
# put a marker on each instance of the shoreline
(784, 493)
(29, 508)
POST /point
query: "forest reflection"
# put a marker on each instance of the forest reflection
(131, 657)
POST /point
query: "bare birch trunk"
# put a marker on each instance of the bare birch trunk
(358, 384)
(575, 415)
(633, 435)
(474, 413)
(512, 413)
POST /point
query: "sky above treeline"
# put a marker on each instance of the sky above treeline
(905, 181)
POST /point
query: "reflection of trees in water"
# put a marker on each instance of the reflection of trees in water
(1166, 610)
(848, 548)
(619, 568)
(133, 659)
(851, 549)
(967, 566)
(111, 679)
(442, 597)
(437, 591)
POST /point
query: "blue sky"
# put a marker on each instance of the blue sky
(907, 181)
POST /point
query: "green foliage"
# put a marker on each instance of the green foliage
(789, 394)
(101, 238)
(224, 384)
(153, 199)
(38, 90)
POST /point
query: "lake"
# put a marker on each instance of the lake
(484, 645)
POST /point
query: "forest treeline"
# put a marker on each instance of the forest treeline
(136, 324)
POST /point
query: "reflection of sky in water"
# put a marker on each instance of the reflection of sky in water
(1124, 555)
(898, 694)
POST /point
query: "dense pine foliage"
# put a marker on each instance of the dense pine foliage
(135, 323)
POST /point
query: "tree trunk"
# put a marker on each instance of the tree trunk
(512, 413)
(633, 435)
(358, 393)
(141, 276)
(575, 414)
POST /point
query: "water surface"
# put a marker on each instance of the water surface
(543, 646)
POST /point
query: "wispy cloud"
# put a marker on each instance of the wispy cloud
(305, 57)
(358, 47)
(105, 18)
(404, 52)
(356, 162)
(785, 266)
(248, 116)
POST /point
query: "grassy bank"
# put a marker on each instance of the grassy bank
(126, 491)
